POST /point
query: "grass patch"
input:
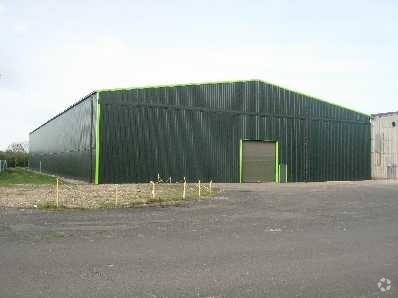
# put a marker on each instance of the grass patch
(48, 205)
(106, 204)
(24, 176)
(166, 194)
(23, 187)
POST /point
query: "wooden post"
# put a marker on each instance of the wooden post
(158, 178)
(40, 166)
(57, 196)
(153, 189)
(199, 188)
(185, 187)
(170, 180)
(116, 195)
(210, 184)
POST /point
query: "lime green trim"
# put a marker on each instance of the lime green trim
(97, 140)
(276, 162)
(176, 85)
(279, 173)
(241, 161)
(316, 98)
(231, 82)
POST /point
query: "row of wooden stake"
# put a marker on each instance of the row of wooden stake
(184, 191)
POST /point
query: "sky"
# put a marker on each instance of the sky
(53, 53)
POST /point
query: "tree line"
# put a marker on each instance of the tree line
(16, 155)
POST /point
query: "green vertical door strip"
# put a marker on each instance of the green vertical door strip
(276, 163)
(97, 141)
(241, 161)
(279, 173)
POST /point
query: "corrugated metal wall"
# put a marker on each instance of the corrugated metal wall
(195, 131)
(384, 146)
(65, 145)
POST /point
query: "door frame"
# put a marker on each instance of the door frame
(241, 141)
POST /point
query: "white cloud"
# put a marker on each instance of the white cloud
(21, 28)
(63, 74)
(111, 62)
(13, 119)
(2, 8)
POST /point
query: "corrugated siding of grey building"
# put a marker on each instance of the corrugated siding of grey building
(194, 131)
(65, 145)
(384, 146)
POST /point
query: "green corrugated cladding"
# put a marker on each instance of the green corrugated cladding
(194, 131)
(65, 145)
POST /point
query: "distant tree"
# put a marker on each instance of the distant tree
(18, 147)
(16, 154)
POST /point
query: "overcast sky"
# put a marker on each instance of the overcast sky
(52, 53)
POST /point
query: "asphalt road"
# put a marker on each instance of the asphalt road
(295, 240)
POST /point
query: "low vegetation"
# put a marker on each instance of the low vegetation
(24, 176)
(23, 188)
(16, 155)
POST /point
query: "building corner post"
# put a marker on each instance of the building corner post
(241, 161)
(276, 162)
(97, 140)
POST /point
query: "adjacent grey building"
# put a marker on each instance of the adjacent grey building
(384, 150)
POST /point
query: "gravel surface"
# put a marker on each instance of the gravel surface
(72, 194)
(251, 240)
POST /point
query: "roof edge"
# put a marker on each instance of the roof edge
(318, 99)
(64, 111)
(384, 114)
(205, 83)
(229, 82)
(176, 85)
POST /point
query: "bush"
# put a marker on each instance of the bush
(15, 159)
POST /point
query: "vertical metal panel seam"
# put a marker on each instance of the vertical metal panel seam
(286, 173)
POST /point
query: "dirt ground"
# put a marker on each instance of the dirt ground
(72, 194)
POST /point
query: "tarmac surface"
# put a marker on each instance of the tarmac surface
(252, 240)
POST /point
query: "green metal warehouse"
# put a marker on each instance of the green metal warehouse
(243, 131)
